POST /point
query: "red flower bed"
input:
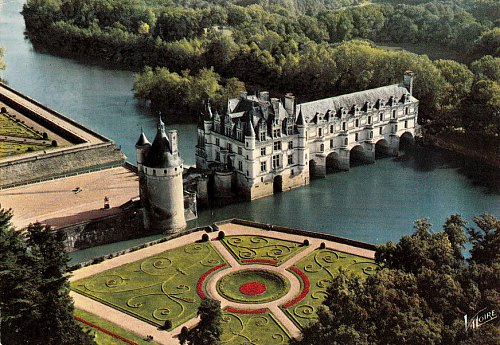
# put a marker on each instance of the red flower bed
(253, 289)
(246, 311)
(199, 285)
(305, 290)
(260, 261)
(105, 331)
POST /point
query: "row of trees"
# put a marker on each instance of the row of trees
(35, 306)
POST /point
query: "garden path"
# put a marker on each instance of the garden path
(162, 337)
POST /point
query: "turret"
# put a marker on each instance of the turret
(302, 144)
(249, 133)
(142, 147)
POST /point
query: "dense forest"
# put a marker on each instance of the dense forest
(317, 48)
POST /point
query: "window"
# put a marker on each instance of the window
(240, 166)
(369, 120)
(331, 128)
(381, 117)
(228, 131)
(217, 156)
(406, 124)
(262, 136)
(154, 172)
(238, 135)
(217, 141)
(240, 151)
(356, 136)
(320, 131)
(276, 133)
(263, 166)
(394, 114)
(290, 145)
(277, 146)
(276, 161)
(343, 126)
(346, 141)
(290, 159)
(371, 134)
(322, 147)
(357, 123)
(247, 173)
(407, 111)
(380, 130)
(229, 147)
(331, 143)
(262, 151)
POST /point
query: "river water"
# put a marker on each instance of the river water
(373, 203)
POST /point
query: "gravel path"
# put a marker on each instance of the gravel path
(143, 328)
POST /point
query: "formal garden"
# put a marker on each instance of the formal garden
(16, 137)
(166, 289)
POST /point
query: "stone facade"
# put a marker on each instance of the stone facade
(160, 169)
(263, 145)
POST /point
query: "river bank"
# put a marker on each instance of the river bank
(484, 150)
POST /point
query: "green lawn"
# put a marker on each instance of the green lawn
(275, 286)
(256, 329)
(320, 267)
(9, 127)
(247, 247)
(8, 148)
(102, 338)
(157, 288)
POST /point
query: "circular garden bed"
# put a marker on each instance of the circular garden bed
(252, 286)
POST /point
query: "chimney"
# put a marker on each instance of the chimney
(408, 81)
(172, 138)
(264, 95)
(290, 103)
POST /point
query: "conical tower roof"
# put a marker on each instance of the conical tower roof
(300, 119)
(160, 155)
(142, 141)
(249, 130)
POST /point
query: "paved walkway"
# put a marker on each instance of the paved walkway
(162, 337)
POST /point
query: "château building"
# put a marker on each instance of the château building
(262, 145)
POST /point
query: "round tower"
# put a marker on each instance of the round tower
(164, 197)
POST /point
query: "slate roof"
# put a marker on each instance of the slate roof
(310, 109)
(160, 154)
(142, 141)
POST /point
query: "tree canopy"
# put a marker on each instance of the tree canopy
(34, 292)
(422, 292)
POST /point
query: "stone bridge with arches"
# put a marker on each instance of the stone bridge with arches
(349, 154)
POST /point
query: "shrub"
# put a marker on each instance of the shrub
(322, 245)
(3, 110)
(221, 235)
(204, 238)
(45, 135)
(306, 242)
(167, 325)
(54, 143)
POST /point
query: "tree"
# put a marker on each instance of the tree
(208, 331)
(34, 291)
(420, 294)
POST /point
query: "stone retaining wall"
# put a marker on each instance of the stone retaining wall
(48, 165)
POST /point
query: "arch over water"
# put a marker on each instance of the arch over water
(312, 168)
(333, 162)
(406, 141)
(382, 149)
(357, 156)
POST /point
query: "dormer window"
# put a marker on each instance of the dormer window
(394, 114)
(357, 123)
(369, 120)
(277, 133)
(262, 136)
(381, 117)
